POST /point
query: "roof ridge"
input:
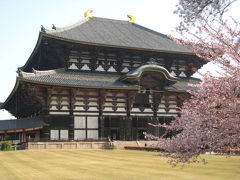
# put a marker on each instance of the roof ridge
(36, 73)
(68, 27)
(61, 29)
(109, 19)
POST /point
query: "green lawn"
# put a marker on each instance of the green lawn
(109, 164)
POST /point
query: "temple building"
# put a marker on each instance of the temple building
(98, 78)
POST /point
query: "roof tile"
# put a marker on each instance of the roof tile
(117, 33)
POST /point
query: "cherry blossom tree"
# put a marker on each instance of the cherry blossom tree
(193, 11)
(210, 119)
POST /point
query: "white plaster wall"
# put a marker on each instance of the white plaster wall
(79, 102)
(147, 110)
(172, 111)
(64, 134)
(85, 113)
(60, 113)
(114, 114)
(93, 134)
(79, 134)
(111, 69)
(135, 110)
(73, 66)
(79, 122)
(92, 122)
(54, 134)
(53, 108)
(138, 114)
(78, 108)
(107, 109)
(64, 108)
(93, 109)
(161, 111)
(121, 109)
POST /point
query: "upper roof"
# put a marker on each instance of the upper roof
(117, 33)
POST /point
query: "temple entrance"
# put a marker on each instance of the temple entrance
(139, 126)
(114, 134)
(33, 136)
(141, 135)
(30, 137)
(112, 127)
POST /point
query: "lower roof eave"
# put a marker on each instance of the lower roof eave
(24, 124)
(77, 86)
(20, 79)
(20, 130)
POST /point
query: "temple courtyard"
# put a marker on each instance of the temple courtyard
(109, 164)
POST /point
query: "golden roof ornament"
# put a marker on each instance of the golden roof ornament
(86, 14)
(132, 19)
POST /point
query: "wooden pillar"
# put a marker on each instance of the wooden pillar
(71, 100)
(156, 102)
(5, 135)
(155, 105)
(128, 124)
(129, 102)
(149, 127)
(101, 128)
(101, 99)
(128, 120)
(155, 129)
(24, 135)
(47, 100)
(166, 98)
(122, 128)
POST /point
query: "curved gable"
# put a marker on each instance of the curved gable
(147, 72)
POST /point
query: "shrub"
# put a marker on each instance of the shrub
(6, 146)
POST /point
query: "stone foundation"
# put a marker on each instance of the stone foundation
(86, 145)
(67, 145)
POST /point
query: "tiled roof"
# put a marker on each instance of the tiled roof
(117, 33)
(96, 80)
(21, 123)
(185, 84)
(82, 79)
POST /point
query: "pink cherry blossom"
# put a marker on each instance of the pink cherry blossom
(210, 119)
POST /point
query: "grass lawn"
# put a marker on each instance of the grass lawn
(109, 164)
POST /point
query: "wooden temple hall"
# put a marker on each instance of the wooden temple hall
(96, 79)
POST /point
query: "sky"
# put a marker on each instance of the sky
(21, 21)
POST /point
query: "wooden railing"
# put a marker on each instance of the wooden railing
(67, 140)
